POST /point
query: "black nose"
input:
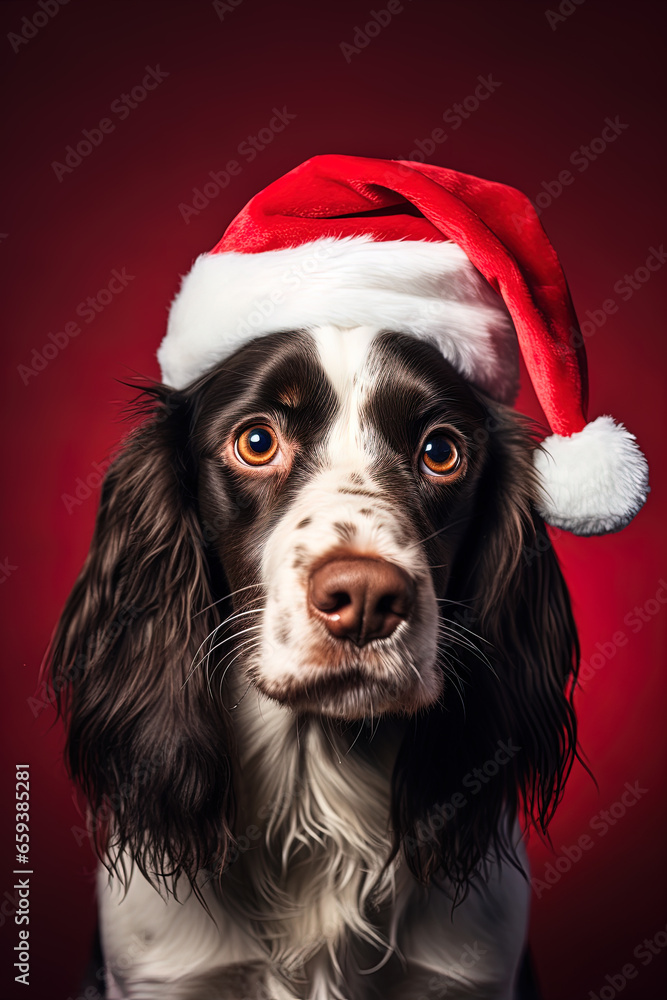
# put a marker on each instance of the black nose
(360, 599)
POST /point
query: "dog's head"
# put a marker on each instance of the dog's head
(336, 473)
(338, 518)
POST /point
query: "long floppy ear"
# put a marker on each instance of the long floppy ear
(146, 737)
(505, 741)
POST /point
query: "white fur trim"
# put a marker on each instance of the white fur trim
(593, 482)
(428, 289)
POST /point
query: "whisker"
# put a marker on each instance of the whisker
(449, 622)
(242, 696)
(359, 732)
(450, 671)
(460, 696)
(227, 621)
(459, 604)
(221, 659)
(450, 640)
(222, 624)
(226, 597)
(452, 524)
(331, 743)
(238, 614)
(453, 634)
(476, 635)
(455, 624)
(413, 667)
(195, 665)
(249, 646)
(230, 638)
(449, 655)
(450, 631)
(457, 684)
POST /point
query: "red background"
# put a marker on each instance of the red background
(120, 208)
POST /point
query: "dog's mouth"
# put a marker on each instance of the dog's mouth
(357, 701)
(341, 680)
(348, 694)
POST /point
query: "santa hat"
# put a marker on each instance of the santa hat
(417, 248)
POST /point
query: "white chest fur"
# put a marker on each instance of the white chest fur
(308, 878)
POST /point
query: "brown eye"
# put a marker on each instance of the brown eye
(257, 445)
(440, 456)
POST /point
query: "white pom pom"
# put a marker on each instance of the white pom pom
(592, 482)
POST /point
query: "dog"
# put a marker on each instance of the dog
(317, 667)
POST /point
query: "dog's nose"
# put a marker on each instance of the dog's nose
(360, 599)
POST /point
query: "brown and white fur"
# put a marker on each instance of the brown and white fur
(283, 812)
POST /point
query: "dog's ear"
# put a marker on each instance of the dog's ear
(504, 740)
(146, 739)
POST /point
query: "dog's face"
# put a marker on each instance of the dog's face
(341, 465)
(340, 520)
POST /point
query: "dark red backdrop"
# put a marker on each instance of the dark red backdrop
(551, 84)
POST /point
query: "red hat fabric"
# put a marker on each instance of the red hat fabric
(478, 215)
(353, 240)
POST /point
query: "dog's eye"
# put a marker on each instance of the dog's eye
(440, 456)
(257, 445)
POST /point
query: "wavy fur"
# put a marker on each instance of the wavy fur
(176, 758)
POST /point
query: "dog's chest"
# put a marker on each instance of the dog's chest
(314, 832)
